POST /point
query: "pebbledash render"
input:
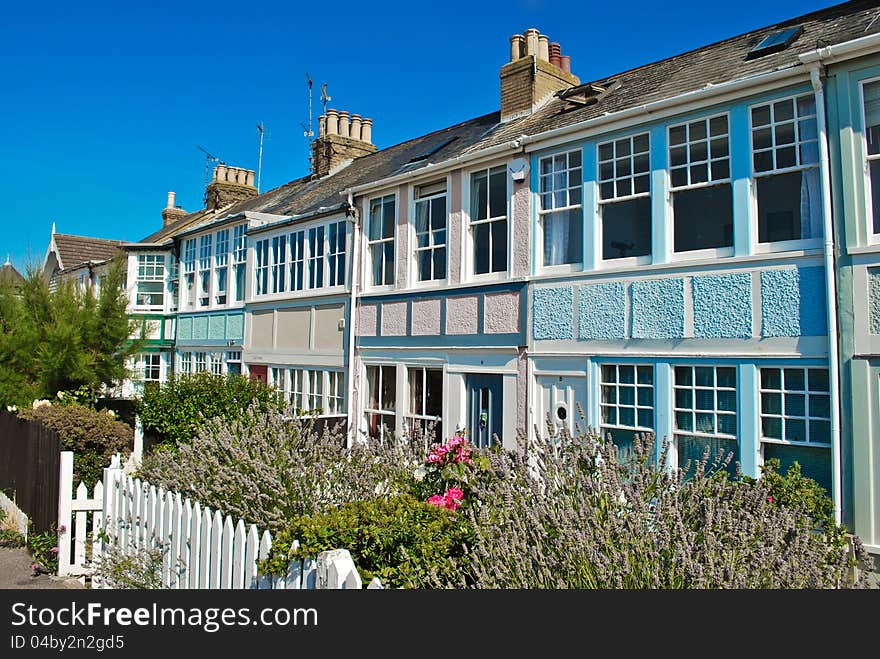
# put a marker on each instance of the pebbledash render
(653, 249)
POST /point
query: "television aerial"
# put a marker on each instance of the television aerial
(209, 158)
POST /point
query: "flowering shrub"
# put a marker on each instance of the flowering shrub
(566, 512)
(44, 550)
(451, 468)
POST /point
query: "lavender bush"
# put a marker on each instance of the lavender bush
(269, 467)
(566, 513)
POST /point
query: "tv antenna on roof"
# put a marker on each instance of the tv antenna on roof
(208, 160)
(307, 131)
(262, 128)
(325, 97)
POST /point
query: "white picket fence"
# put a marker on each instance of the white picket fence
(202, 548)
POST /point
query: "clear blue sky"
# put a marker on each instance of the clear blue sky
(103, 104)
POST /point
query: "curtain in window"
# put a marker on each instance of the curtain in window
(872, 104)
(811, 204)
(556, 235)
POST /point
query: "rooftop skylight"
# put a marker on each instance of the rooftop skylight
(775, 42)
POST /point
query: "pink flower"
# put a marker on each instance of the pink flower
(62, 529)
(770, 499)
(433, 457)
(452, 505)
(456, 440)
(454, 494)
(436, 500)
(35, 566)
(54, 550)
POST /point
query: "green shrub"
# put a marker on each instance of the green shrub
(92, 436)
(395, 538)
(44, 550)
(175, 410)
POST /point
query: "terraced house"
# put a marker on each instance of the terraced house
(686, 248)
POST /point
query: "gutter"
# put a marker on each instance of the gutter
(842, 51)
(830, 290)
(292, 219)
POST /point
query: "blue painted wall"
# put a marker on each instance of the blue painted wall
(658, 309)
(793, 302)
(210, 328)
(602, 311)
(722, 306)
(553, 309)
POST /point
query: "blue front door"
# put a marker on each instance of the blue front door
(484, 409)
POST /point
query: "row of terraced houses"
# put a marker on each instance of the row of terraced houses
(690, 248)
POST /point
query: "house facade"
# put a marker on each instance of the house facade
(688, 248)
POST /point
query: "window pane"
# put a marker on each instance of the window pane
(771, 403)
(562, 237)
(818, 378)
(820, 431)
(646, 396)
(795, 430)
(646, 375)
(646, 418)
(795, 404)
(684, 398)
(705, 376)
(479, 196)
(703, 218)
(499, 246)
(794, 379)
(727, 401)
(626, 228)
(771, 378)
(783, 110)
(481, 249)
(684, 421)
(683, 375)
(627, 374)
(820, 406)
(498, 193)
(771, 427)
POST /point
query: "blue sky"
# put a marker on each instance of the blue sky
(103, 104)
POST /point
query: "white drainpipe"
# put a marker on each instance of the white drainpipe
(830, 293)
(352, 318)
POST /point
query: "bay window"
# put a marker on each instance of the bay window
(239, 260)
(221, 266)
(150, 280)
(205, 271)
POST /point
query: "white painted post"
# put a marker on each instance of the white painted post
(336, 570)
(170, 517)
(137, 452)
(65, 495)
(97, 528)
(181, 535)
(79, 538)
(309, 572)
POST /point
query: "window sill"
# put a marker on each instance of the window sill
(627, 262)
(787, 246)
(697, 254)
(785, 442)
(564, 269)
(489, 278)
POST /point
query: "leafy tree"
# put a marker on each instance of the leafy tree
(63, 339)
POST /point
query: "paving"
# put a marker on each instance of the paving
(16, 573)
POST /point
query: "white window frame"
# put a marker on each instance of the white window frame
(693, 387)
(783, 391)
(368, 244)
(150, 269)
(335, 393)
(297, 264)
(378, 410)
(185, 362)
(414, 249)
(239, 263)
(262, 259)
(423, 418)
(221, 267)
(616, 405)
(469, 246)
(314, 260)
(780, 245)
(278, 268)
(711, 252)
(868, 208)
(335, 256)
(205, 271)
(233, 357)
(200, 361)
(624, 261)
(542, 213)
(189, 291)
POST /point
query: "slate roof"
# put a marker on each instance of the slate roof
(712, 64)
(10, 274)
(77, 250)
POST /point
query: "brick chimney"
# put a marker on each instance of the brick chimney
(342, 138)
(229, 185)
(171, 213)
(536, 70)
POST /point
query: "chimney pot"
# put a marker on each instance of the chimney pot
(565, 61)
(555, 49)
(170, 203)
(343, 123)
(250, 178)
(532, 41)
(517, 45)
(544, 47)
(220, 172)
(367, 130)
(322, 125)
(354, 129)
(332, 122)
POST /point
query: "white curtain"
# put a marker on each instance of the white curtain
(556, 229)
(811, 204)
